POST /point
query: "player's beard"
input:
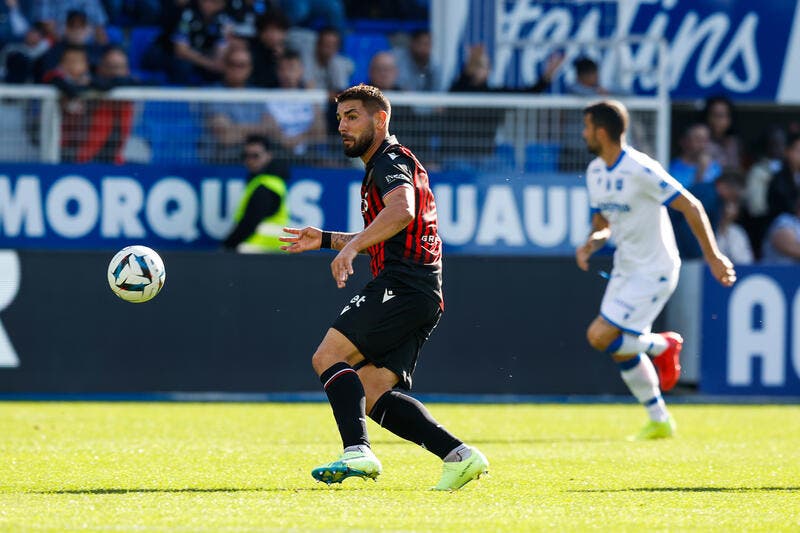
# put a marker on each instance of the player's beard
(360, 145)
(594, 149)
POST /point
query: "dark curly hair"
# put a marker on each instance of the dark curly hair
(610, 115)
(372, 97)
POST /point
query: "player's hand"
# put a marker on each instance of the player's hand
(342, 265)
(582, 255)
(722, 269)
(301, 240)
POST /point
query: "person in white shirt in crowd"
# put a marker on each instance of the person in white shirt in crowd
(326, 68)
(415, 69)
(293, 125)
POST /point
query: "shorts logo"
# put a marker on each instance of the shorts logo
(387, 295)
(356, 300)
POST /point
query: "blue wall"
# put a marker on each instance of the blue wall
(751, 333)
(190, 207)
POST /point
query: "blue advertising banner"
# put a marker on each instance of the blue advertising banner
(185, 207)
(748, 50)
(751, 333)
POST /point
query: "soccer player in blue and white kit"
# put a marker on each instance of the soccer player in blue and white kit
(628, 192)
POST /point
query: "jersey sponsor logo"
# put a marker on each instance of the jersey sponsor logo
(613, 206)
(387, 295)
(394, 177)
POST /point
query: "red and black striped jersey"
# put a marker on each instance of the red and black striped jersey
(414, 255)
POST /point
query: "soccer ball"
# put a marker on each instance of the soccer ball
(136, 274)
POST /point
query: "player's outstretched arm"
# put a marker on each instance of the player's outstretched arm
(597, 238)
(398, 212)
(301, 240)
(691, 208)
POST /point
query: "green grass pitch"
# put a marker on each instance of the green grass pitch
(245, 467)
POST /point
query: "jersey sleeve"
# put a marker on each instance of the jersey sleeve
(659, 184)
(390, 173)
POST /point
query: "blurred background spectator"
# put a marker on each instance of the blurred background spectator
(228, 124)
(262, 213)
(108, 122)
(241, 17)
(731, 236)
(156, 58)
(782, 243)
(770, 149)
(189, 51)
(72, 78)
(718, 114)
(18, 60)
(415, 71)
(474, 76)
(587, 78)
(268, 46)
(293, 125)
(14, 21)
(326, 68)
(383, 72)
(54, 14)
(721, 199)
(694, 163)
(77, 32)
(784, 188)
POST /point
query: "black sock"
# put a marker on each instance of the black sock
(406, 417)
(346, 396)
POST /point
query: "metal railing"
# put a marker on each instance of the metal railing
(479, 131)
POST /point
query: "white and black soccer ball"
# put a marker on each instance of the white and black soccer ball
(136, 274)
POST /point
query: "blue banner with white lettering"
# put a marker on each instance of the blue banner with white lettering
(190, 207)
(751, 333)
(747, 50)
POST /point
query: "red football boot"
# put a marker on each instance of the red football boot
(668, 364)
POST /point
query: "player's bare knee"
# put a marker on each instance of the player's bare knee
(323, 360)
(597, 338)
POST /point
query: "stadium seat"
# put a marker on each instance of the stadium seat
(140, 38)
(388, 26)
(542, 157)
(172, 129)
(115, 35)
(505, 156)
(360, 47)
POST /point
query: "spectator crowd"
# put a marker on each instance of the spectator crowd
(87, 47)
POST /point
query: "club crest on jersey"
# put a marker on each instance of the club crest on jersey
(364, 204)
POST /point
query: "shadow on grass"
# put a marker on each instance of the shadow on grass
(319, 487)
(694, 489)
(514, 442)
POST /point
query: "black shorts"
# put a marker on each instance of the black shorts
(388, 323)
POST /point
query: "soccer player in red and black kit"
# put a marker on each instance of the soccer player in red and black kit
(370, 351)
